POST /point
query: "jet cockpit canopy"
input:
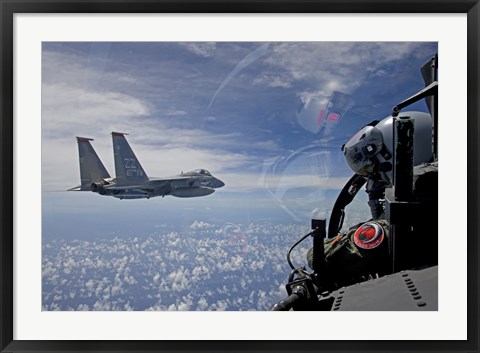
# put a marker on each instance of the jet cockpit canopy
(199, 172)
(202, 171)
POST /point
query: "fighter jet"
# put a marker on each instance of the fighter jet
(131, 181)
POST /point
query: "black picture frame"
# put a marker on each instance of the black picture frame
(10, 7)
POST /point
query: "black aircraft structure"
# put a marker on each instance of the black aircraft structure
(410, 281)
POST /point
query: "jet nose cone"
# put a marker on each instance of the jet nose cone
(219, 183)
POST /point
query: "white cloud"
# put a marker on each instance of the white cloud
(183, 307)
(277, 182)
(128, 307)
(257, 265)
(203, 49)
(339, 66)
(200, 225)
(199, 271)
(220, 305)
(72, 107)
(90, 285)
(175, 112)
(117, 289)
(74, 104)
(65, 107)
(234, 264)
(83, 307)
(202, 304)
(179, 280)
(271, 80)
(211, 277)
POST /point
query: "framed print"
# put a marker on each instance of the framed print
(173, 173)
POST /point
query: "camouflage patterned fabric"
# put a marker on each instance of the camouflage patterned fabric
(348, 260)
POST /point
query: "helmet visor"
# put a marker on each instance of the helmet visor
(357, 161)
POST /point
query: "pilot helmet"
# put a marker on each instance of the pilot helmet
(369, 152)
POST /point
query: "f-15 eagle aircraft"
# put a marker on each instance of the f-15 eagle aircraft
(131, 181)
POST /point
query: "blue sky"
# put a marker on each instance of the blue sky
(248, 112)
(245, 111)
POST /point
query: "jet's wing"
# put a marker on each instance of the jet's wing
(161, 182)
(76, 188)
(125, 187)
(151, 184)
(178, 177)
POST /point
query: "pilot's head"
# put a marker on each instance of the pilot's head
(369, 152)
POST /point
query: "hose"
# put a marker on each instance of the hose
(293, 246)
(286, 304)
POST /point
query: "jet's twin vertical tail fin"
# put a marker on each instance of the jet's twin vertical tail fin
(91, 167)
(127, 167)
